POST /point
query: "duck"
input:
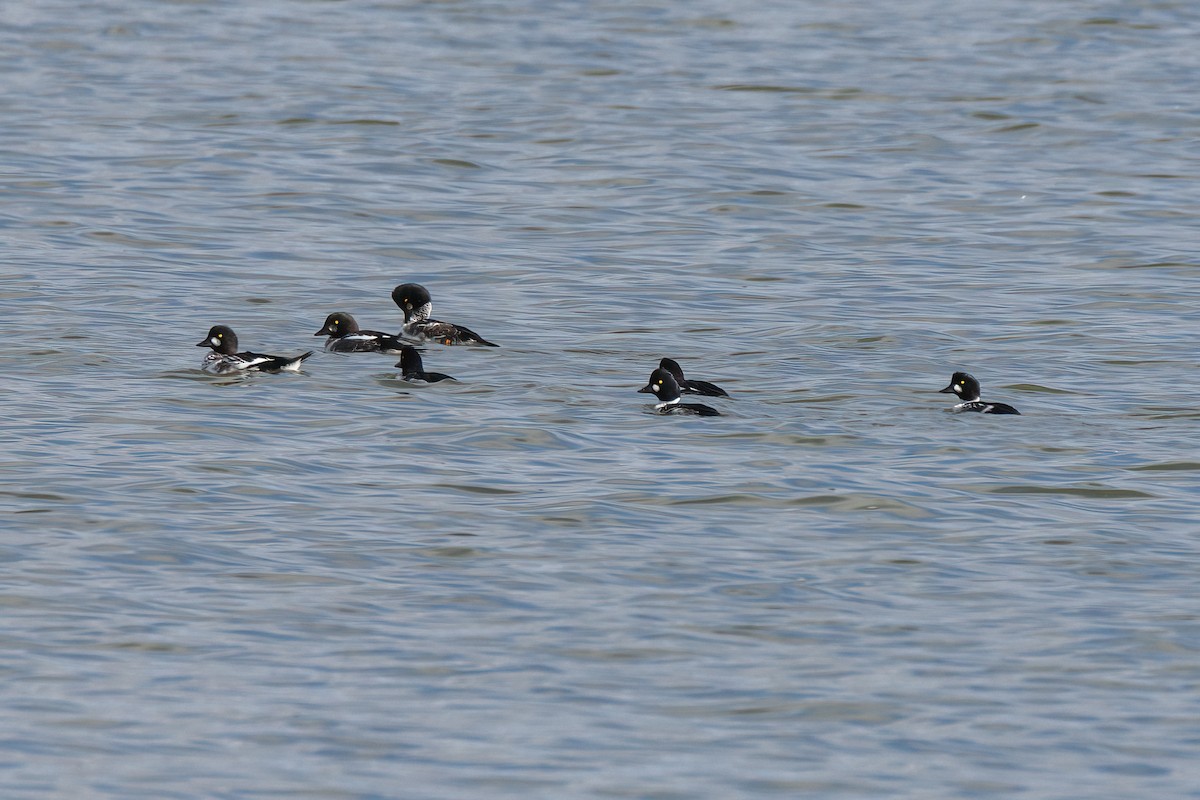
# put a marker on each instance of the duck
(225, 357)
(703, 388)
(664, 386)
(411, 368)
(414, 300)
(346, 337)
(967, 390)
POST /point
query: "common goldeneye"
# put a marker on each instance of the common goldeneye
(663, 386)
(967, 389)
(225, 358)
(346, 337)
(691, 387)
(412, 369)
(417, 305)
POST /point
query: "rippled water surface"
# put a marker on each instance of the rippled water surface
(526, 584)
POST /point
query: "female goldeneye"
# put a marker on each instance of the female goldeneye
(417, 305)
(412, 369)
(967, 389)
(346, 337)
(691, 387)
(663, 386)
(225, 358)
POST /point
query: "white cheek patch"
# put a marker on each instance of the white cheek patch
(215, 342)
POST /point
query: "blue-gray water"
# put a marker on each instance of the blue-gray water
(335, 585)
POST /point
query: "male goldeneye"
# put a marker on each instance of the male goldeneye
(412, 369)
(346, 337)
(417, 305)
(225, 358)
(663, 386)
(967, 389)
(691, 387)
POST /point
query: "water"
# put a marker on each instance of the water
(337, 585)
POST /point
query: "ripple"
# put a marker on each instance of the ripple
(1100, 492)
(1168, 466)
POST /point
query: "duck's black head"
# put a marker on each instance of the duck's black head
(662, 385)
(221, 339)
(963, 385)
(411, 297)
(672, 366)
(338, 324)
(410, 360)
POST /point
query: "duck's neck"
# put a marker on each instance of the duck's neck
(421, 313)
